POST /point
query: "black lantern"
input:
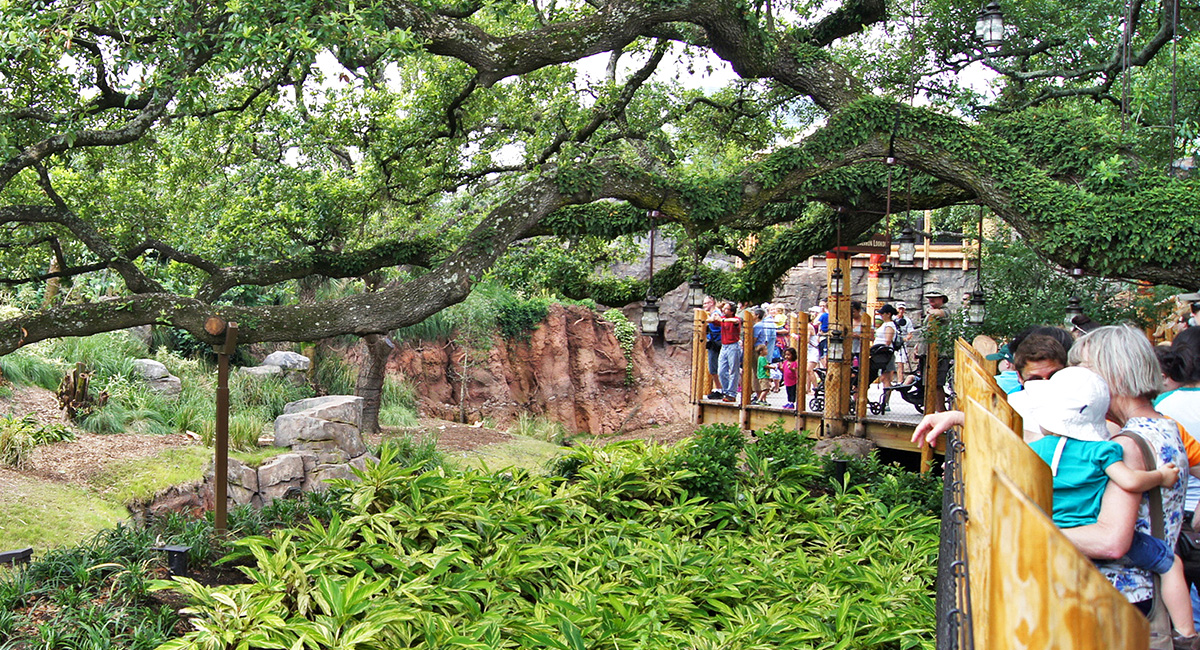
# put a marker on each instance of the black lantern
(650, 316)
(989, 26)
(906, 245)
(837, 282)
(1074, 308)
(837, 346)
(887, 276)
(695, 292)
(977, 308)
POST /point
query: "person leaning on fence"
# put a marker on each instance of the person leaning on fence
(1125, 360)
(1083, 460)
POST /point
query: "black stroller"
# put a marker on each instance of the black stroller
(912, 390)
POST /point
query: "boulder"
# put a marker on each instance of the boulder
(281, 469)
(287, 360)
(846, 446)
(261, 371)
(335, 408)
(150, 369)
(322, 474)
(170, 386)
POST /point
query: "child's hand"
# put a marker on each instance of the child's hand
(1170, 474)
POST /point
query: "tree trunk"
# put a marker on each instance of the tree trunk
(370, 380)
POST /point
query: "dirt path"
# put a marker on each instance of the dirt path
(76, 462)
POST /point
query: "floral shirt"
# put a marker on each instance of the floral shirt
(1163, 436)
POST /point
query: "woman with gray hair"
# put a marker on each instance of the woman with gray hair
(1124, 358)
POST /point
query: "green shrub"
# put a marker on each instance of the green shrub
(412, 451)
(333, 375)
(29, 368)
(396, 415)
(619, 557)
(264, 397)
(627, 336)
(18, 437)
(244, 431)
(516, 317)
(711, 459)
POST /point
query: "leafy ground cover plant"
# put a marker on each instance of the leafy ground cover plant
(96, 595)
(621, 555)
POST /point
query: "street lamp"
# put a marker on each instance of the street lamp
(837, 346)
(886, 277)
(696, 292)
(836, 282)
(989, 26)
(1074, 308)
(906, 245)
(977, 308)
(650, 316)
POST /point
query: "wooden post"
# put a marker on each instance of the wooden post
(221, 461)
(748, 368)
(927, 225)
(700, 379)
(864, 377)
(931, 380)
(837, 377)
(800, 338)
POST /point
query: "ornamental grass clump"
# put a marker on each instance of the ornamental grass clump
(621, 555)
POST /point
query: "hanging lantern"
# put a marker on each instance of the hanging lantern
(1074, 308)
(977, 308)
(696, 292)
(906, 244)
(650, 316)
(989, 26)
(837, 346)
(837, 283)
(887, 276)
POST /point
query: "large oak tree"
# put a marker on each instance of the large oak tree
(177, 153)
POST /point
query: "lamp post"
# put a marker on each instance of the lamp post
(650, 316)
(977, 308)
(906, 245)
(1074, 308)
(989, 26)
(887, 276)
(837, 283)
(695, 292)
(837, 346)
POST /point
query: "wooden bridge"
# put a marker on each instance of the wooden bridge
(841, 415)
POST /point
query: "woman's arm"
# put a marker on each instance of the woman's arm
(1110, 536)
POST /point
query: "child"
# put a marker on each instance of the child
(1082, 459)
(790, 367)
(764, 376)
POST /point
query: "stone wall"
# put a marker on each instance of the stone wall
(324, 438)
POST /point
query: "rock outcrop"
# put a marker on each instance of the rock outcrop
(281, 362)
(325, 441)
(571, 370)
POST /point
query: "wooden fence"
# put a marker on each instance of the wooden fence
(1029, 587)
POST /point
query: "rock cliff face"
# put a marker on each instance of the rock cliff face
(571, 370)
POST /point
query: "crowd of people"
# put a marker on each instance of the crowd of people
(1089, 398)
(893, 352)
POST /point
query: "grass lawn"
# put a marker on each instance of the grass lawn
(39, 513)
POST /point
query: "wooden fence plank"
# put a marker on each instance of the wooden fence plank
(1044, 594)
(991, 445)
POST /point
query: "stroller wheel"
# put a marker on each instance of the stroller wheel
(816, 404)
(876, 408)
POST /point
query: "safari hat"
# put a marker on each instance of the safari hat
(1073, 404)
(936, 292)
